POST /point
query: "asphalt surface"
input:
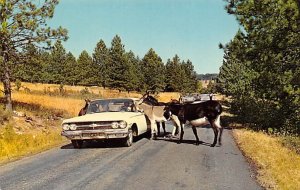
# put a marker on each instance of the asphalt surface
(161, 164)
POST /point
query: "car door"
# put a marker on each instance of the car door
(142, 124)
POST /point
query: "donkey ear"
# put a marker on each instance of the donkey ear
(146, 94)
(180, 99)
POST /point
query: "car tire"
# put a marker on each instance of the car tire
(129, 139)
(77, 143)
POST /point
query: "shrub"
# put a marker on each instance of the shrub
(18, 84)
(85, 91)
(4, 116)
(26, 89)
(270, 116)
(61, 89)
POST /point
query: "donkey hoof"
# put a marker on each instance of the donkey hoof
(212, 145)
(153, 137)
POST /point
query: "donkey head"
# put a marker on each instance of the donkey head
(87, 102)
(148, 99)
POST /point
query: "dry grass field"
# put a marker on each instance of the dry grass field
(69, 104)
(278, 167)
(52, 88)
(16, 142)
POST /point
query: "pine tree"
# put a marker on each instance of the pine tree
(69, 71)
(85, 71)
(153, 70)
(30, 71)
(45, 58)
(118, 64)
(133, 74)
(58, 63)
(23, 22)
(102, 59)
(174, 78)
(190, 78)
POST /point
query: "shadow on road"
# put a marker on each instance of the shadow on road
(106, 143)
(175, 140)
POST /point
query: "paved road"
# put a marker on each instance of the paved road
(146, 165)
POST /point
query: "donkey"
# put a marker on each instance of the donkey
(198, 114)
(156, 113)
(150, 100)
(84, 109)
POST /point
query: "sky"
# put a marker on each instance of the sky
(192, 29)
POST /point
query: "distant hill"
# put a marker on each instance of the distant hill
(207, 76)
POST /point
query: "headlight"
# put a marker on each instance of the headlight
(122, 124)
(114, 125)
(73, 127)
(66, 127)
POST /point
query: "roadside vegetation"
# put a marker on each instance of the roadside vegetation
(260, 74)
(15, 145)
(278, 166)
(29, 129)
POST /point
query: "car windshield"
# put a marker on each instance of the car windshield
(204, 97)
(111, 105)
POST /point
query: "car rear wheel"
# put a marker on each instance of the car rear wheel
(129, 139)
(77, 143)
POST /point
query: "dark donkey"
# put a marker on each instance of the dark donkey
(84, 109)
(198, 114)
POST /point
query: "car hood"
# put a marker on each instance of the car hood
(105, 116)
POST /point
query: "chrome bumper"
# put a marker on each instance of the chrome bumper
(95, 134)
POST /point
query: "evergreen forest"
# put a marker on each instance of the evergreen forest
(261, 67)
(108, 66)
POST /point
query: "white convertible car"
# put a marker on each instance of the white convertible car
(107, 119)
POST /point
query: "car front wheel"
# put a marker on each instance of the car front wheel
(129, 139)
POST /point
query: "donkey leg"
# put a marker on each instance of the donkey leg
(153, 131)
(176, 124)
(158, 127)
(220, 136)
(218, 125)
(163, 124)
(181, 132)
(196, 135)
(216, 136)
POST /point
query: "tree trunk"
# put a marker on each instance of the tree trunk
(6, 83)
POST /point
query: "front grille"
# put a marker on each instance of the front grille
(93, 125)
(93, 128)
(95, 122)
